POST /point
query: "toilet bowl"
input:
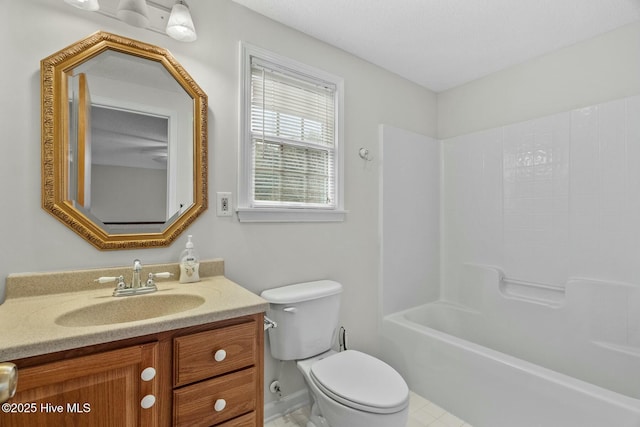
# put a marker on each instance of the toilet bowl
(353, 389)
(348, 388)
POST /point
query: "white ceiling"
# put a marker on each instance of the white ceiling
(441, 44)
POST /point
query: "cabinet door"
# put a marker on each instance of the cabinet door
(103, 389)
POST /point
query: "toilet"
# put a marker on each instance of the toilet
(348, 388)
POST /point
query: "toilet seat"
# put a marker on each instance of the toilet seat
(361, 382)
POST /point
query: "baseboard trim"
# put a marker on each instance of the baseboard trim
(287, 404)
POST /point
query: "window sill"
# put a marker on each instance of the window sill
(289, 215)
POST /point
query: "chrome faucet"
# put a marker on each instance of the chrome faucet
(135, 279)
(137, 286)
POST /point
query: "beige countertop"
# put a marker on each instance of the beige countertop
(28, 316)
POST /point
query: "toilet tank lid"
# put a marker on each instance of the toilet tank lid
(300, 292)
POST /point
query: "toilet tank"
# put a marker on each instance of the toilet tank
(307, 318)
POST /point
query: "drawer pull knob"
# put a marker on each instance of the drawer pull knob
(220, 405)
(148, 401)
(148, 374)
(220, 355)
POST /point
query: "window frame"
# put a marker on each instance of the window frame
(246, 210)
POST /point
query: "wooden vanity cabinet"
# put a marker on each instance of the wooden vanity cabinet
(103, 389)
(206, 375)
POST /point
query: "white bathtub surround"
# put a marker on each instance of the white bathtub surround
(422, 413)
(508, 354)
(550, 201)
(409, 218)
(546, 199)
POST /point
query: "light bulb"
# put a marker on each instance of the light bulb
(133, 12)
(180, 25)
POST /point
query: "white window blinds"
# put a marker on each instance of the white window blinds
(293, 136)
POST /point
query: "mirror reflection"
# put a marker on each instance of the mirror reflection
(131, 133)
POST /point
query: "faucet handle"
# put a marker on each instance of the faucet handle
(163, 275)
(121, 284)
(105, 279)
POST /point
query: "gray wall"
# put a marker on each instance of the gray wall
(258, 256)
(598, 70)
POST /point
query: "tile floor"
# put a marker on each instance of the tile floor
(422, 413)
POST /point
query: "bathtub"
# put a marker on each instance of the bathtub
(517, 354)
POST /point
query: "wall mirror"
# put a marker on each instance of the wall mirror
(124, 142)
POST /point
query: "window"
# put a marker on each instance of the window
(290, 141)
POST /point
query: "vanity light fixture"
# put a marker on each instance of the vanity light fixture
(176, 22)
(180, 25)
(134, 12)
(90, 5)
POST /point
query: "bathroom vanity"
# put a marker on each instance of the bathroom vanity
(199, 366)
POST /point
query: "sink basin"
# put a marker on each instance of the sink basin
(129, 309)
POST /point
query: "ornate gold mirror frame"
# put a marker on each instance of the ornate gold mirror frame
(56, 199)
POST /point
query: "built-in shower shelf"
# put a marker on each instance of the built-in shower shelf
(537, 293)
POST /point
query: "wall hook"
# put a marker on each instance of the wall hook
(364, 154)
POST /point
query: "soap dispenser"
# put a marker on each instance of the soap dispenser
(189, 264)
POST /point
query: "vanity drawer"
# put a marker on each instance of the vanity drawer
(248, 420)
(212, 353)
(194, 405)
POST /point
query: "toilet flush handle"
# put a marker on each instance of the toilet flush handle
(290, 309)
